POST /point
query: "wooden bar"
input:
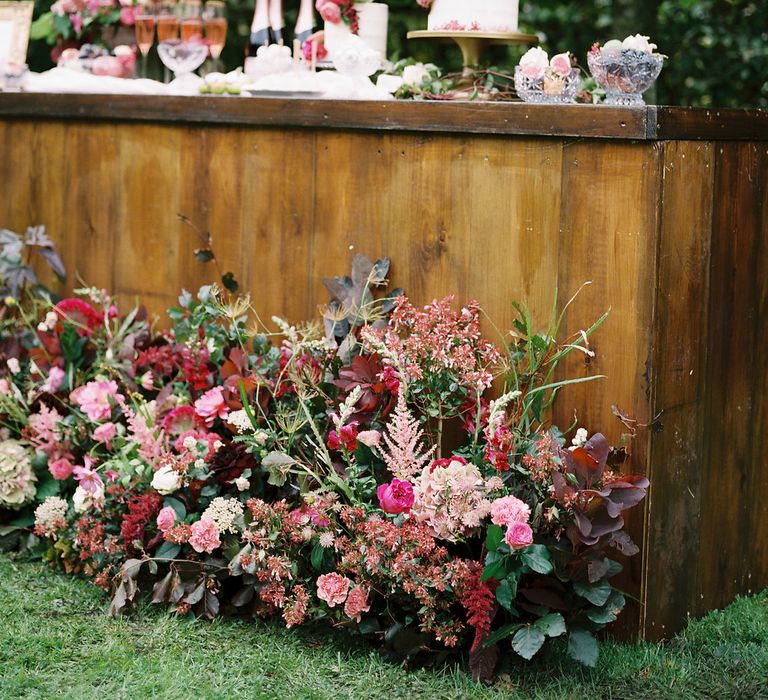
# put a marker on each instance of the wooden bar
(663, 210)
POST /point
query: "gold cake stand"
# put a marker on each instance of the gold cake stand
(472, 44)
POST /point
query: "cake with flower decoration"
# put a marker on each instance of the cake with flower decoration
(498, 16)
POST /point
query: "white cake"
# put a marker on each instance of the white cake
(473, 16)
(373, 20)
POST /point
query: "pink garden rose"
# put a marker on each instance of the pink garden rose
(329, 11)
(396, 497)
(333, 588)
(60, 469)
(205, 536)
(105, 433)
(534, 63)
(93, 399)
(357, 603)
(561, 64)
(519, 535)
(166, 519)
(211, 405)
(508, 510)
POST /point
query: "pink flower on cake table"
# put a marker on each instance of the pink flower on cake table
(60, 469)
(519, 536)
(93, 398)
(508, 510)
(211, 405)
(357, 603)
(105, 433)
(54, 381)
(333, 588)
(534, 63)
(561, 65)
(329, 11)
(396, 497)
(204, 536)
(127, 16)
(166, 519)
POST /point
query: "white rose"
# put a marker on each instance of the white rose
(415, 75)
(534, 63)
(166, 480)
(638, 42)
(242, 483)
(83, 500)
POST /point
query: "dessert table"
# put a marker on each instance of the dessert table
(664, 210)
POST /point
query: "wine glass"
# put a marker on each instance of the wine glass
(190, 20)
(144, 20)
(215, 21)
(167, 27)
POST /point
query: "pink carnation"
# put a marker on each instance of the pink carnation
(204, 536)
(166, 519)
(61, 469)
(212, 405)
(396, 497)
(357, 603)
(93, 398)
(519, 535)
(508, 510)
(105, 433)
(333, 588)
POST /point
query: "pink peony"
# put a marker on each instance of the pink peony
(561, 64)
(205, 536)
(396, 497)
(212, 405)
(61, 469)
(166, 519)
(333, 588)
(54, 381)
(519, 535)
(508, 510)
(357, 603)
(105, 433)
(93, 398)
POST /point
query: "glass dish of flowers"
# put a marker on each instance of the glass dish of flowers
(539, 79)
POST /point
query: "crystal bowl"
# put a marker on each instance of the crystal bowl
(625, 75)
(549, 89)
(182, 57)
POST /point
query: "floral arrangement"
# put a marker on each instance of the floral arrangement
(541, 79)
(218, 467)
(82, 20)
(338, 11)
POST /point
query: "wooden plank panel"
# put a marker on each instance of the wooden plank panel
(677, 450)
(729, 474)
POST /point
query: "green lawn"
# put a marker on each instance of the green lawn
(56, 640)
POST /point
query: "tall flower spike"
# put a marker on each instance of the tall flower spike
(402, 442)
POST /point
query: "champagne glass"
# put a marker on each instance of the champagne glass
(167, 27)
(190, 20)
(215, 21)
(144, 19)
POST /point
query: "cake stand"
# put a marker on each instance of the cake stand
(472, 44)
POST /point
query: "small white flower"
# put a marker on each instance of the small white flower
(166, 480)
(415, 75)
(13, 365)
(242, 483)
(190, 443)
(217, 445)
(83, 500)
(638, 42)
(580, 438)
(260, 437)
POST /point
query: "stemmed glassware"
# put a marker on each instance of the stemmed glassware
(190, 17)
(215, 22)
(144, 19)
(184, 56)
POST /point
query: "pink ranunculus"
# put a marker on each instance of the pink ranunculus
(211, 405)
(508, 510)
(60, 469)
(333, 588)
(166, 519)
(519, 535)
(105, 433)
(396, 497)
(127, 16)
(329, 11)
(357, 603)
(204, 536)
(370, 438)
(54, 381)
(93, 398)
(561, 64)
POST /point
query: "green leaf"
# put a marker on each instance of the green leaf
(552, 625)
(177, 505)
(318, 552)
(168, 550)
(527, 641)
(501, 633)
(494, 536)
(204, 255)
(42, 27)
(495, 570)
(536, 557)
(583, 647)
(48, 487)
(506, 592)
(609, 611)
(597, 594)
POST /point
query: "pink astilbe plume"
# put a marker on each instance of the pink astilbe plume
(403, 450)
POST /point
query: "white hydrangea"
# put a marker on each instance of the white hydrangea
(17, 478)
(224, 512)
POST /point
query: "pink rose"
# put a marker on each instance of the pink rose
(61, 469)
(508, 510)
(212, 405)
(519, 536)
(333, 588)
(204, 536)
(93, 398)
(105, 433)
(329, 11)
(166, 519)
(561, 64)
(396, 497)
(126, 16)
(357, 603)
(534, 63)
